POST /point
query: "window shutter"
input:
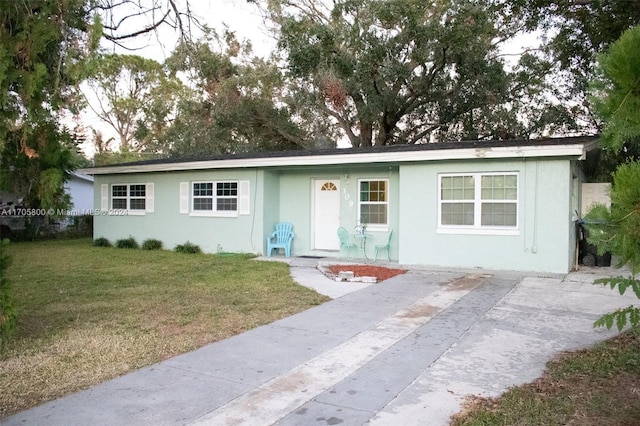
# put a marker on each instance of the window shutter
(104, 197)
(244, 200)
(184, 197)
(149, 203)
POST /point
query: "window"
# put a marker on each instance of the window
(129, 197)
(137, 197)
(119, 197)
(479, 201)
(215, 198)
(329, 186)
(499, 195)
(212, 197)
(227, 196)
(203, 196)
(374, 202)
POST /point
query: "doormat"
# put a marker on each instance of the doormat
(312, 257)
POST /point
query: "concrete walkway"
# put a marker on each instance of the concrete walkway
(403, 352)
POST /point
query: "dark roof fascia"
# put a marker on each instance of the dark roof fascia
(589, 142)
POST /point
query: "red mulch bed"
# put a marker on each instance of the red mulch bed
(380, 272)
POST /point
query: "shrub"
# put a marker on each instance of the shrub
(101, 242)
(188, 248)
(152, 244)
(7, 309)
(127, 243)
(618, 230)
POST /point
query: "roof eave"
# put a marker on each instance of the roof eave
(82, 176)
(576, 150)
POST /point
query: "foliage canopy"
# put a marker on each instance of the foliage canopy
(616, 91)
(405, 71)
(41, 49)
(235, 103)
(129, 91)
(573, 34)
(44, 49)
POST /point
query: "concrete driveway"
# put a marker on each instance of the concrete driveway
(403, 352)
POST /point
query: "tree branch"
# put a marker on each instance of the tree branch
(423, 133)
(178, 18)
(342, 122)
(145, 30)
(116, 26)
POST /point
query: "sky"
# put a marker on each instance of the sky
(238, 15)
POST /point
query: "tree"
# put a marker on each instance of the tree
(574, 32)
(237, 102)
(616, 91)
(40, 174)
(406, 71)
(41, 45)
(44, 46)
(127, 92)
(616, 96)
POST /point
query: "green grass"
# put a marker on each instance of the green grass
(596, 386)
(87, 314)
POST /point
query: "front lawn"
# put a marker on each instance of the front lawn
(87, 314)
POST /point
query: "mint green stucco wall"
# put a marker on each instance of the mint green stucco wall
(296, 204)
(243, 233)
(544, 241)
(545, 222)
(270, 191)
(276, 195)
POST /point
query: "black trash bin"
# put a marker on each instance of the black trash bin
(587, 252)
(604, 260)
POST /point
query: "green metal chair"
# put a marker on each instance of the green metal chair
(345, 242)
(281, 238)
(386, 247)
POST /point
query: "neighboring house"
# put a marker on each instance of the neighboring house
(80, 189)
(78, 186)
(489, 204)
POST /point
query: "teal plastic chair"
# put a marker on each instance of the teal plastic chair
(281, 239)
(345, 242)
(386, 247)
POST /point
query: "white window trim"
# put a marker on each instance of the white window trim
(477, 228)
(214, 212)
(375, 227)
(107, 198)
(112, 198)
(212, 197)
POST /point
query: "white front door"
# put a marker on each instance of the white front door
(326, 214)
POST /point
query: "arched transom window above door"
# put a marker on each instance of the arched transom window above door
(329, 186)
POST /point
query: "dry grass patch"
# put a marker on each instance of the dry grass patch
(87, 314)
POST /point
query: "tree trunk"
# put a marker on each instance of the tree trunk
(366, 133)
